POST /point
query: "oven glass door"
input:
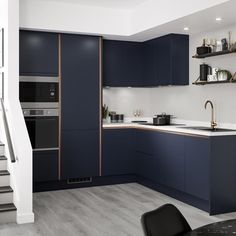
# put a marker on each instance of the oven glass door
(38, 92)
(43, 131)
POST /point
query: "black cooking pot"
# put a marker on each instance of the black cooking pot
(162, 119)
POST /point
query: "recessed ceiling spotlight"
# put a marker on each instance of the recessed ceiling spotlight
(186, 29)
(218, 19)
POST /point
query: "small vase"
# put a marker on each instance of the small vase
(104, 120)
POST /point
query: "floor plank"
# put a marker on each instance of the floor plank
(102, 211)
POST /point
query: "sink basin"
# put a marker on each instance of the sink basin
(139, 121)
(208, 129)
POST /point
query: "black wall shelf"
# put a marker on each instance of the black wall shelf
(213, 54)
(213, 82)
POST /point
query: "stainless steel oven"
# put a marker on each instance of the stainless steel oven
(43, 128)
(38, 92)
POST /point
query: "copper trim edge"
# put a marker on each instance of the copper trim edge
(59, 136)
(162, 131)
(100, 105)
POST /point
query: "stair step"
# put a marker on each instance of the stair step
(6, 195)
(3, 163)
(4, 172)
(7, 213)
(2, 149)
(3, 158)
(7, 207)
(6, 189)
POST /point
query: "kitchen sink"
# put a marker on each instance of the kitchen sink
(161, 125)
(139, 121)
(208, 129)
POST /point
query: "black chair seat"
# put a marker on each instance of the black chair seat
(166, 220)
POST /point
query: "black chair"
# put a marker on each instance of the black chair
(166, 220)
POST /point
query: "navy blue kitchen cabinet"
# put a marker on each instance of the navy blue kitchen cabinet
(38, 53)
(146, 142)
(118, 152)
(150, 63)
(45, 166)
(169, 156)
(122, 64)
(161, 158)
(80, 96)
(80, 82)
(146, 166)
(80, 153)
(197, 166)
(166, 60)
(158, 62)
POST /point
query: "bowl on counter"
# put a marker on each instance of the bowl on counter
(117, 118)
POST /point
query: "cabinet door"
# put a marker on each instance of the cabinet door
(38, 53)
(79, 154)
(169, 158)
(150, 63)
(45, 166)
(180, 59)
(146, 166)
(197, 166)
(146, 141)
(118, 152)
(80, 82)
(123, 63)
(163, 60)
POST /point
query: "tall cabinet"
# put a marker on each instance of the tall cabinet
(80, 106)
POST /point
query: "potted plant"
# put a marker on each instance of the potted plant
(223, 75)
(105, 112)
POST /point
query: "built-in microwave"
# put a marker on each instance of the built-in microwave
(38, 92)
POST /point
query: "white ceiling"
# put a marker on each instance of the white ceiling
(139, 21)
(116, 4)
(200, 22)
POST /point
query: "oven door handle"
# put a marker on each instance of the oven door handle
(35, 118)
(45, 149)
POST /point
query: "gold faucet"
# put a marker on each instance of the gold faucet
(213, 123)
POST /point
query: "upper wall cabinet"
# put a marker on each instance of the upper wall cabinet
(38, 53)
(122, 64)
(157, 62)
(166, 60)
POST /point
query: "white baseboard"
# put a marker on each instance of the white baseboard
(25, 218)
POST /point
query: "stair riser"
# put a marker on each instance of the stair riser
(6, 198)
(3, 165)
(4, 180)
(8, 217)
(2, 151)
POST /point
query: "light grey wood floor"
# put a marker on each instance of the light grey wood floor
(100, 211)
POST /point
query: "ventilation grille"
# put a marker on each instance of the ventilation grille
(79, 180)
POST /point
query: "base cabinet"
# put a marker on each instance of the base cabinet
(146, 166)
(169, 156)
(45, 166)
(118, 152)
(79, 154)
(197, 167)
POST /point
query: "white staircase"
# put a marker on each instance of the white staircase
(7, 208)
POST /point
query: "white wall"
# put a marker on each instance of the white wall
(185, 102)
(21, 171)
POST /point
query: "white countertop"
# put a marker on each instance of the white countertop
(172, 128)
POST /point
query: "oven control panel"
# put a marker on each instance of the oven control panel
(40, 112)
